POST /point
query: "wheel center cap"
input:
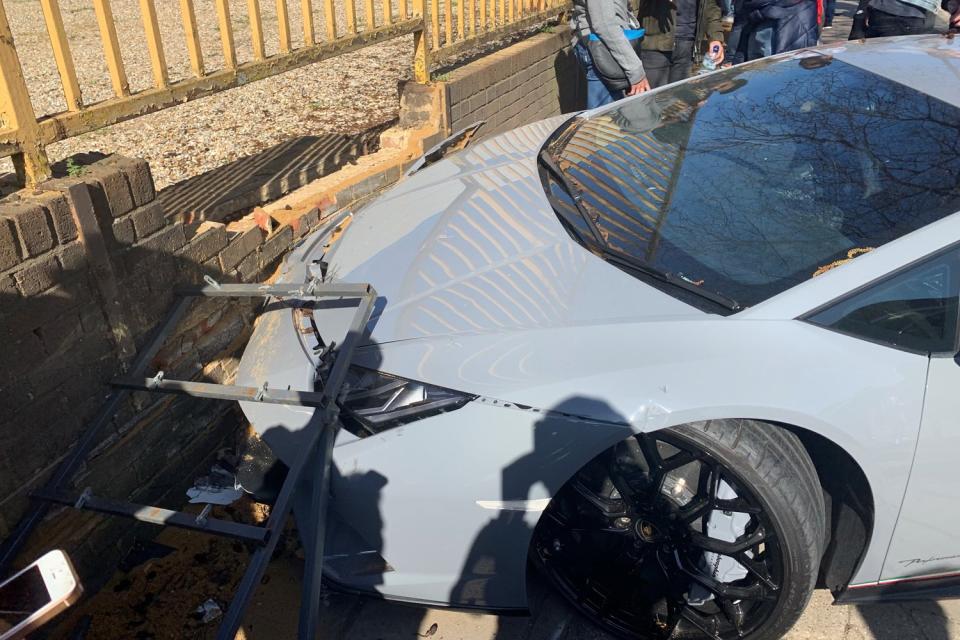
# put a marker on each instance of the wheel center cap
(648, 531)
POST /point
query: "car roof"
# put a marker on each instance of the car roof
(928, 63)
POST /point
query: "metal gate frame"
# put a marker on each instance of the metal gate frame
(322, 429)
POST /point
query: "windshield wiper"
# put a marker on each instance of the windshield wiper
(672, 279)
(547, 161)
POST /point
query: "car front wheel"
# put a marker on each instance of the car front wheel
(712, 529)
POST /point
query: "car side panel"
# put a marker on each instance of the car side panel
(925, 542)
(451, 502)
(865, 397)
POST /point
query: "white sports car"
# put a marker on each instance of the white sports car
(691, 355)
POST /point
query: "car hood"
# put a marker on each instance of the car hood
(471, 245)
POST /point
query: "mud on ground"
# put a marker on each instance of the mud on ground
(158, 597)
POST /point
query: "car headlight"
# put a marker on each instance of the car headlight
(376, 401)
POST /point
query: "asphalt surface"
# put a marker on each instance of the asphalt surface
(273, 616)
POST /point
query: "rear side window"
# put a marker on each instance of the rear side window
(915, 309)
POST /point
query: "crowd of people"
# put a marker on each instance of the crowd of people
(626, 52)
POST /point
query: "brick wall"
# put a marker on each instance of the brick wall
(87, 270)
(531, 80)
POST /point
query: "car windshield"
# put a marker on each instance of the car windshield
(749, 181)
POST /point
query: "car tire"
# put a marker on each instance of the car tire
(777, 506)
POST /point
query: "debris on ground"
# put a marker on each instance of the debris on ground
(155, 593)
(209, 611)
(220, 487)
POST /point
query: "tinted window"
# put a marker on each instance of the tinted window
(915, 310)
(749, 181)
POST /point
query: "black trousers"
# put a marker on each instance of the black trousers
(881, 24)
(664, 67)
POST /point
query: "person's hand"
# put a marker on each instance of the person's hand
(715, 51)
(640, 87)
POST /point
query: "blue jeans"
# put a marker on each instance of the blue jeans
(829, 8)
(751, 40)
(760, 44)
(597, 92)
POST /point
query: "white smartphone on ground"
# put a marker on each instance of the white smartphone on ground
(37, 594)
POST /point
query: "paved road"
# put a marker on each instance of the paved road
(273, 617)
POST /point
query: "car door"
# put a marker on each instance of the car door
(916, 309)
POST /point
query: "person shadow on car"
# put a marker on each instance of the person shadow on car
(526, 483)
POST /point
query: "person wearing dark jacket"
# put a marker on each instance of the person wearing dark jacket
(882, 18)
(767, 27)
(678, 34)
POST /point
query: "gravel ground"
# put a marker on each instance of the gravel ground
(346, 94)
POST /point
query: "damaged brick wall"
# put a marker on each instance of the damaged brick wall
(531, 80)
(87, 270)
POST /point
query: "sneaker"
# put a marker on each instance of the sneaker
(827, 26)
(727, 23)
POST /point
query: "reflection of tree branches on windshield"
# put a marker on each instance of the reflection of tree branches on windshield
(860, 152)
(613, 157)
(855, 124)
(768, 172)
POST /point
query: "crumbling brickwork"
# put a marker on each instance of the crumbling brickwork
(88, 265)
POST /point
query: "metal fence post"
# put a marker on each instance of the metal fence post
(16, 112)
(421, 45)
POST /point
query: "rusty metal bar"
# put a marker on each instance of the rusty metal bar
(482, 27)
(283, 26)
(350, 10)
(61, 54)
(448, 21)
(421, 47)
(256, 29)
(158, 515)
(226, 35)
(330, 18)
(16, 110)
(65, 125)
(193, 37)
(435, 23)
(404, 9)
(154, 44)
(282, 291)
(472, 12)
(309, 35)
(503, 12)
(461, 18)
(111, 47)
(450, 52)
(216, 391)
(316, 453)
(387, 12)
(370, 15)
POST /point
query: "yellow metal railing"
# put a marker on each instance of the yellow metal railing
(441, 32)
(457, 26)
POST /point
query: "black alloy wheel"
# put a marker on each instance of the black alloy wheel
(709, 530)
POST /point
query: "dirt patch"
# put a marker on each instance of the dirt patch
(165, 581)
